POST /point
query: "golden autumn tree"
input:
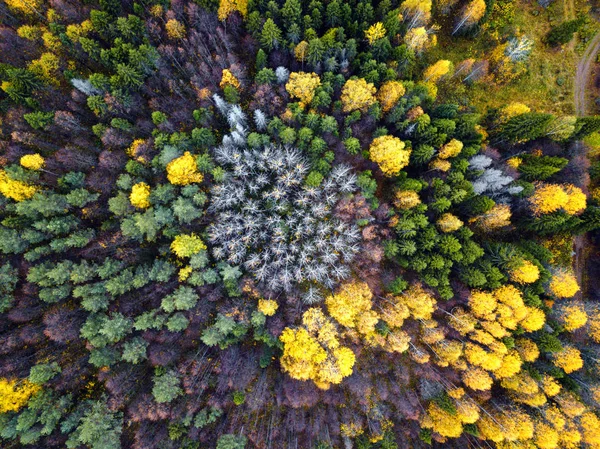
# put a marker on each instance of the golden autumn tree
(563, 284)
(572, 315)
(389, 93)
(496, 218)
(375, 32)
(449, 223)
(25, 6)
(357, 95)
(313, 352)
(140, 194)
(186, 245)
(390, 154)
(32, 161)
(548, 198)
(351, 307)
(227, 7)
(228, 79)
(14, 395)
(175, 29)
(569, 359)
(512, 110)
(525, 273)
(267, 306)
(15, 190)
(302, 86)
(183, 170)
(451, 149)
(436, 71)
(406, 199)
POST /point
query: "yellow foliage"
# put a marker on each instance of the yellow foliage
(226, 7)
(434, 72)
(32, 161)
(351, 306)
(545, 436)
(406, 199)
(511, 365)
(569, 359)
(186, 245)
(594, 326)
(389, 93)
(462, 321)
(534, 320)
(514, 162)
(548, 198)
(449, 223)
(527, 349)
(550, 386)
(357, 95)
(175, 29)
(397, 341)
(573, 316)
(132, 151)
(14, 395)
(451, 149)
(570, 405)
(442, 422)
(526, 273)
(590, 425)
(267, 306)
(420, 302)
(46, 67)
(477, 379)
(576, 201)
(375, 32)
(16, 190)
(30, 32)
(228, 79)
(417, 39)
(140, 194)
(497, 217)
(512, 110)
(474, 11)
(184, 273)
(51, 42)
(24, 6)
(440, 164)
(300, 51)
(305, 358)
(389, 153)
(183, 170)
(563, 284)
(302, 86)
(482, 304)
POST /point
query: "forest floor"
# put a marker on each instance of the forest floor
(581, 246)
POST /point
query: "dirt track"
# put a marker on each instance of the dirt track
(582, 81)
(584, 67)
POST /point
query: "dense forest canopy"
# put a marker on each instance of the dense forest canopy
(283, 224)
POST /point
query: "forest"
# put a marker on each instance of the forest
(296, 224)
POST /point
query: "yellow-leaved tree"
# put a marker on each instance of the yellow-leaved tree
(25, 6)
(563, 284)
(406, 199)
(16, 190)
(227, 7)
(228, 79)
(175, 29)
(375, 32)
(357, 95)
(351, 307)
(390, 154)
(186, 245)
(313, 351)
(451, 149)
(302, 86)
(449, 223)
(183, 170)
(32, 161)
(389, 93)
(14, 395)
(526, 273)
(569, 359)
(140, 194)
(549, 198)
(496, 218)
(436, 71)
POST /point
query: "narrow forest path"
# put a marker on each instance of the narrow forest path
(582, 81)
